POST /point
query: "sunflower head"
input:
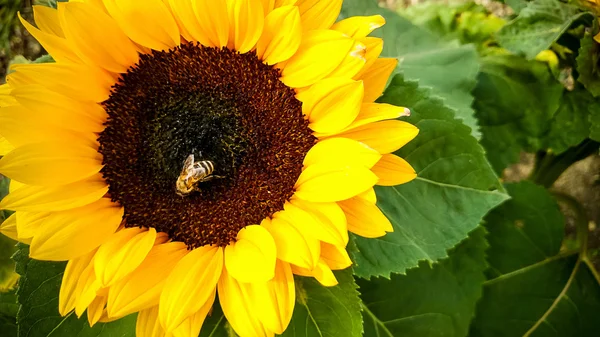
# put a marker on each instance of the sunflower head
(180, 149)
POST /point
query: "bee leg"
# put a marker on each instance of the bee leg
(210, 177)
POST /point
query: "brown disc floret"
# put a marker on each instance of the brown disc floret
(219, 105)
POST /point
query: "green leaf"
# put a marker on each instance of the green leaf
(326, 311)
(524, 230)
(428, 301)
(38, 304)
(515, 102)
(516, 5)
(532, 289)
(8, 314)
(571, 124)
(538, 26)
(215, 324)
(588, 64)
(447, 67)
(454, 190)
(594, 117)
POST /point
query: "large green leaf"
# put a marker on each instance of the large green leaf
(588, 64)
(456, 187)
(428, 301)
(571, 124)
(539, 25)
(38, 304)
(533, 289)
(515, 102)
(447, 67)
(326, 311)
(8, 314)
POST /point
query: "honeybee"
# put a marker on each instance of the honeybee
(194, 172)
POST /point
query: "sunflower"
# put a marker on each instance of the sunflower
(178, 150)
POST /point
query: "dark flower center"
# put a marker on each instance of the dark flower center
(221, 106)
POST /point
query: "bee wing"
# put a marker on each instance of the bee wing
(189, 162)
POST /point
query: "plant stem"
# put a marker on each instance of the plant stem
(548, 167)
(581, 219)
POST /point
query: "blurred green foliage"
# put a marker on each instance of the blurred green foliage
(8, 20)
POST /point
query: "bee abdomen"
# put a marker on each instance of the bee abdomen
(208, 166)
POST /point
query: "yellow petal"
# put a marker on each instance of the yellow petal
(77, 81)
(336, 257)
(60, 110)
(6, 97)
(59, 198)
(69, 234)
(95, 310)
(97, 3)
(29, 223)
(341, 151)
(192, 325)
(281, 3)
(393, 170)
(354, 61)
(122, 254)
(330, 216)
(374, 47)
(293, 245)
(149, 23)
(87, 289)
(190, 285)
(320, 53)
(376, 76)
(251, 258)
(46, 18)
(22, 126)
(68, 295)
(321, 273)
(281, 35)
(247, 20)
(14, 185)
(96, 37)
(332, 182)
(359, 26)
(273, 301)
(369, 195)
(320, 228)
(44, 116)
(5, 146)
(236, 304)
(51, 163)
(213, 19)
(385, 136)
(57, 46)
(185, 34)
(365, 218)
(142, 288)
(332, 104)
(187, 21)
(375, 112)
(9, 227)
(148, 325)
(318, 14)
